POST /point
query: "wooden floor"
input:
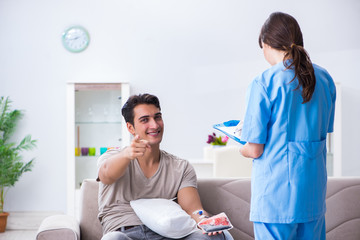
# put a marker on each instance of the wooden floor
(18, 235)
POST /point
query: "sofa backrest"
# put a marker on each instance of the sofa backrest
(343, 208)
(90, 227)
(232, 196)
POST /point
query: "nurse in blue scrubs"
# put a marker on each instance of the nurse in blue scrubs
(289, 112)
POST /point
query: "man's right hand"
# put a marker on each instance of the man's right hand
(137, 148)
(115, 166)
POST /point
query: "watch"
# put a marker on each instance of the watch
(75, 39)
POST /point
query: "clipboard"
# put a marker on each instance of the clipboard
(232, 129)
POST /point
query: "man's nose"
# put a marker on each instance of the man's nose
(153, 123)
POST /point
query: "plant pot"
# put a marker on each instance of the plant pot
(3, 221)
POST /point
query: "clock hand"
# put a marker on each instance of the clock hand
(74, 38)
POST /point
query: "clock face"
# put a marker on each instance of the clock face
(76, 39)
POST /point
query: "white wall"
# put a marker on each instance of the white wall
(198, 56)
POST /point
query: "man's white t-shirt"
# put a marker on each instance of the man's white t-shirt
(115, 211)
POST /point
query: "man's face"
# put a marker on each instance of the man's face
(148, 123)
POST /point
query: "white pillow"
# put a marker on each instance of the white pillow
(165, 217)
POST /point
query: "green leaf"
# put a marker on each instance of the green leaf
(11, 164)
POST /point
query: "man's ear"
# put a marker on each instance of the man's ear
(130, 128)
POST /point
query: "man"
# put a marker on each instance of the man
(142, 170)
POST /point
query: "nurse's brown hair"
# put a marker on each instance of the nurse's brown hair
(282, 32)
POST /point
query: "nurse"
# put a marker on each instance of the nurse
(289, 112)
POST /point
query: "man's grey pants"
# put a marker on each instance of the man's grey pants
(142, 232)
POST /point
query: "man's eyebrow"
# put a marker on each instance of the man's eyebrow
(146, 116)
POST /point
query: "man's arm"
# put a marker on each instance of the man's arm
(252, 150)
(189, 200)
(115, 166)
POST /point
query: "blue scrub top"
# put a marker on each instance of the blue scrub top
(289, 179)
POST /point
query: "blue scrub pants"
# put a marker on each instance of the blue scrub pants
(295, 231)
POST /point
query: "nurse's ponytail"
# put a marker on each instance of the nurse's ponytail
(282, 32)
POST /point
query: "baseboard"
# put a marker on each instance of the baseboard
(27, 220)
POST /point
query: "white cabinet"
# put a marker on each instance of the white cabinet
(94, 124)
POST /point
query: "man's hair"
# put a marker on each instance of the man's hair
(128, 108)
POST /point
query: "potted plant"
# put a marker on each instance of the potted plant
(11, 164)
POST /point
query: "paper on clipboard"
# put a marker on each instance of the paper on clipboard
(232, 129)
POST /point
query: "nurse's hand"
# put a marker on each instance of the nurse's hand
(252, 150)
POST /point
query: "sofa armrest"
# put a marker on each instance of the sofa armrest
(59, 227)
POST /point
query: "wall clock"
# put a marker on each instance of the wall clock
(75, 39)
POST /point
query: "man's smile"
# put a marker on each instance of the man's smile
(153, 133)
